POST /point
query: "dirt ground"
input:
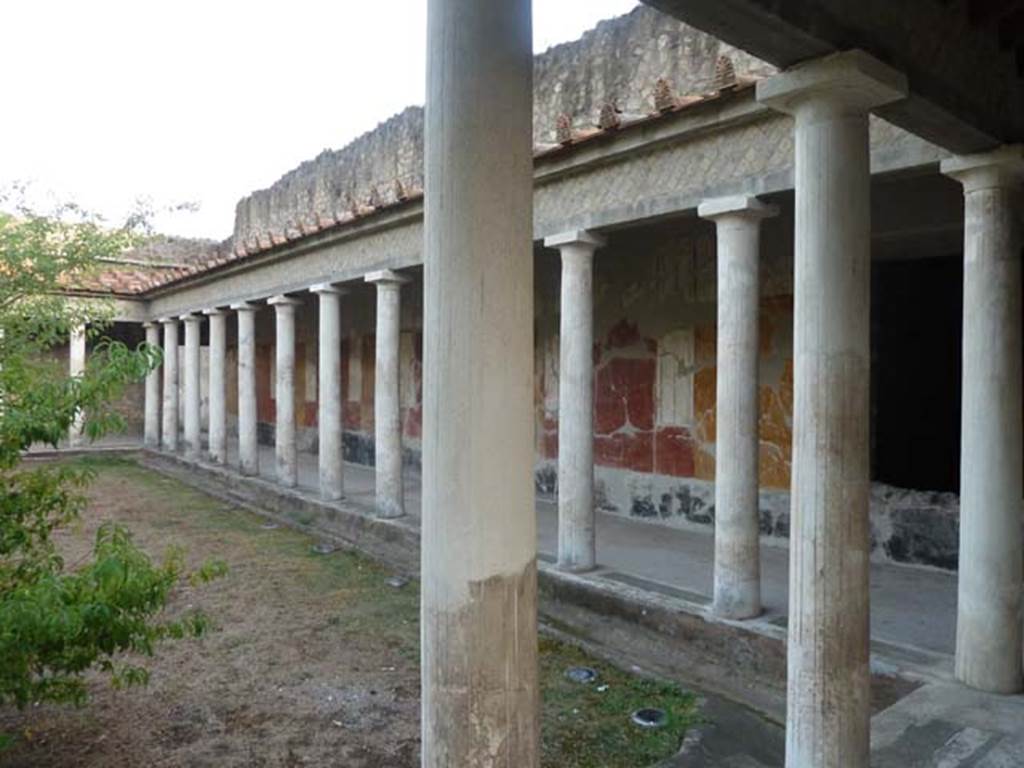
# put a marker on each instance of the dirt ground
(313, 660)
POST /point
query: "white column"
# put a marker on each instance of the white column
(76, 367)
(248, 445)
(217, 427)
(387, 407)
(169, 433)
(151, 429)
(828, 699)
(576, 534)
(737, 576)
(329, 399)
(284, 422)
(989, 643)
(480, 694)
(192, 421)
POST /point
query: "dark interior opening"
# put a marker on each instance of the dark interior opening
(916, 331)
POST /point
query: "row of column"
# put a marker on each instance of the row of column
(387, 403)
(829, 627)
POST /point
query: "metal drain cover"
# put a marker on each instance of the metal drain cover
(649, 717)
(581, 674)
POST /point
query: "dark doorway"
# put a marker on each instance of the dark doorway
(916, 330)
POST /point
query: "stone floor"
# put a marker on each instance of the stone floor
(913, 617)
(910, 605)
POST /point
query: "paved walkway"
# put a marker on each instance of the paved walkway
(910, 606)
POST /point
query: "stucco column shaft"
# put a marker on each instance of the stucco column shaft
(217, 428)
(286, 458)
(248, 446)
(479, 604)
(988, 638)
(576, 532)
(828, 703)
(151, 422)
(737, 574)
(169, 433)
(387, 407)
(76, 367)
(192, 422)
(329, 399)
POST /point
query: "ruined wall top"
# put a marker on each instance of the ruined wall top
(614, 67)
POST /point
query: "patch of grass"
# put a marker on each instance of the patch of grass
(582, 725)
(589, 726)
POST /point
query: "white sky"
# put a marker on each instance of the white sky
(107, 101)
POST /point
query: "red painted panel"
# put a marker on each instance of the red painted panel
(309, 416)
(413, 423)
(551, 444)
(624, 389)
(626, 450)
(351, 414)
(674, 452)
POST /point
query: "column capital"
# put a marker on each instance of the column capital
(331, 288)
(1002, 167)
(244, 306)
(283, 300)
(152, 324)
(740, 206)
(190, 317)
(582, 237)
(215, 312)
(168, 320)
(850, 79)
(386, 277)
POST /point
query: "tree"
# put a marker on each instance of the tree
(56, 623)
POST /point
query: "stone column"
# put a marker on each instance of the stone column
(737, 575)
(576, 535)
(284, 411)
(329, 397)
(151, 429)
(76, 368)
(988, 633)
(192, 397)
(387, 407)
(480, 694)
(248, 445)
(169, 433)
(217, 428)
(828, 703)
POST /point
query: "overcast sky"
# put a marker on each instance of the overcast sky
(203, 101)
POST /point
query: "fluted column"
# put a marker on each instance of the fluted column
(576, 533)
(217, 427)
(329, 399)
(828, 702)
(151, 423)
(737, 577)
(387, 405)
(76, 368)
(286, 456)
(192, 396)
(248, 444)
(169, 433)
(480, 695)
(989, 642)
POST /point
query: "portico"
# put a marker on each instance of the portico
(700, 360)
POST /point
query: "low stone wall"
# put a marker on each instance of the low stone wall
(907, 526)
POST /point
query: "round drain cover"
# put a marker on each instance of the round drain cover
(581, 674)
(649, 717)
